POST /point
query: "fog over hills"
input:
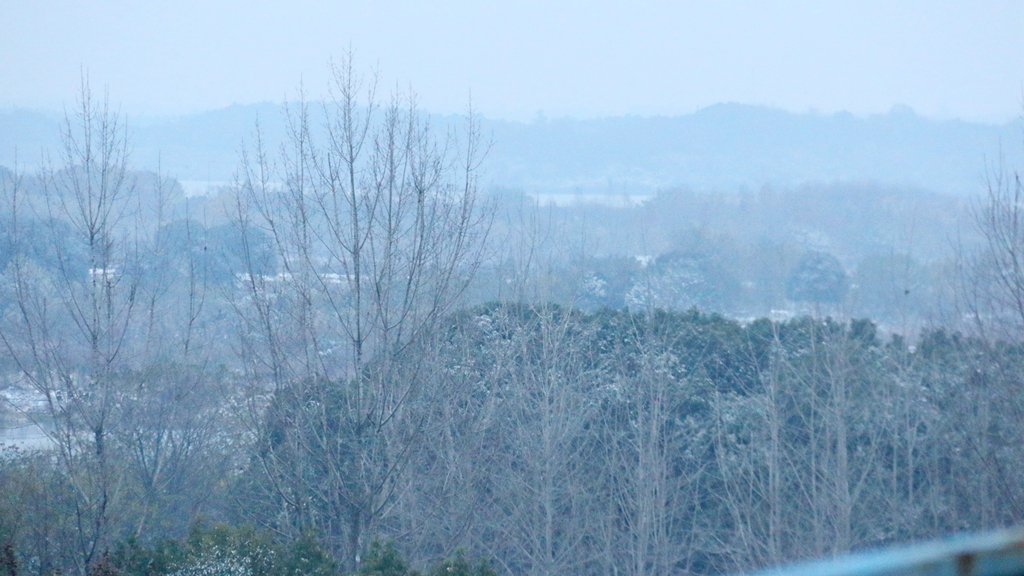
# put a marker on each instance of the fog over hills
(725, 146)
(732, 145)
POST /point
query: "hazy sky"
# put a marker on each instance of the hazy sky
(581, 59)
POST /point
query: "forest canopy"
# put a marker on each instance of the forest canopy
(352, 360)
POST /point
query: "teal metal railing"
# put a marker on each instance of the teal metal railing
(999, 553)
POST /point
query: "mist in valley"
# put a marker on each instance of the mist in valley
(363, 330)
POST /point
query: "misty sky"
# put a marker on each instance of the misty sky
(579, 59)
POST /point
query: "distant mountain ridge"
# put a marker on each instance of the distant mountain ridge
(725, 146)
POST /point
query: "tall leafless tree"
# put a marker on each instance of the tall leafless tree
(69, 326)
(992, 282)
(376, 231)
(100, 324)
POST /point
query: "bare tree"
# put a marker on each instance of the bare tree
(992, 286)
(541, 492)
(375, 230)
(100, 323)
(652, 487)
(69, 327)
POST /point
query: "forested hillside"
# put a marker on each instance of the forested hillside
(719, 148)
(350, 361)
(566, 443)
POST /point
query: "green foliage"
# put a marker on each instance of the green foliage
(818, 277)
(49, 243)
(306, 557)
(8, 561)
(607, 282)
(383, 560)
(229, 550)
(104, 567)
(221, 549)
(680, 280)
(924, 428)
(131, 558)
(36, 508)
(459, 565)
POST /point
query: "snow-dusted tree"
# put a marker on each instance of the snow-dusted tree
(684, 280)
(819, 278)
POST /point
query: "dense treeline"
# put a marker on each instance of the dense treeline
(605, 442)
(302, 386)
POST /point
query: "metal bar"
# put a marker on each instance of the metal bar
(998, 553)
